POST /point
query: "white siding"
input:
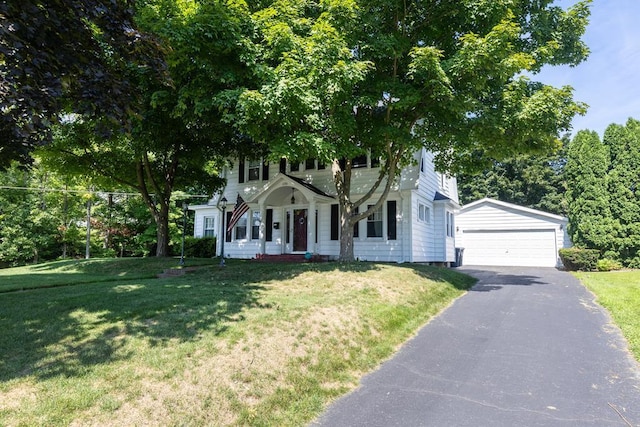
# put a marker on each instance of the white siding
(498, 233)
(415, 241)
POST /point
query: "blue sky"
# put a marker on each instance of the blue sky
(608, 81)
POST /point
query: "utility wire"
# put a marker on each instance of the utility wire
(115, 193)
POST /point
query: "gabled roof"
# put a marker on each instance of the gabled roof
(282, 179)
(497, 203)
(308, 186)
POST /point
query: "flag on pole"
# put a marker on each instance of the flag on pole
(238, 210)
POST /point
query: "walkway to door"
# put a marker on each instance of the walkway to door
(525, 347)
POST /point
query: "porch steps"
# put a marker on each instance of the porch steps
(292, 258)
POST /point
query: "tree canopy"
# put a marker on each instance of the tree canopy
(181, 133)
(347, 77)
(69, 56)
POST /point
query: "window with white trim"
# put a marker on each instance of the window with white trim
(424, 213)
(209, 226)
(450, 228)
(241, 227)
(255, 225)
(374, 223)
(254, 170)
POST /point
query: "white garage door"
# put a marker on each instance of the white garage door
(531, 248)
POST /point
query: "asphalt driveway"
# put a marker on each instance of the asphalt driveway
(525, 347)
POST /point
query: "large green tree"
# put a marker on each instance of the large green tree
(63, 56)
(535, 181)
(343, 78)
(623, 143)
(591, 223)
(182, 130)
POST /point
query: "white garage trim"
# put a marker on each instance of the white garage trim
(498, 233)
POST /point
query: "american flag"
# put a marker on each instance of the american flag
(238, 210)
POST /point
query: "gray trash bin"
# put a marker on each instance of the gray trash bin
(459, 254)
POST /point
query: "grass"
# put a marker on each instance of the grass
(619, 293)
(106, 343)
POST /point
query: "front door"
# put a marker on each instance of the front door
(299, 230)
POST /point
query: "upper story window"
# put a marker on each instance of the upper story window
(310, 164)
(254, 170)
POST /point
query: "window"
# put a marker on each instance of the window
(359, 162)
(295, 167)
(450, 228)
(209, 227)
(310, 164)
(254, 170)
(255, 225)
(424, 213)
(241, 227)
(374, 223)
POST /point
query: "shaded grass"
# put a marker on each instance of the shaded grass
(72, 272)
(619, 293)
(249, 344)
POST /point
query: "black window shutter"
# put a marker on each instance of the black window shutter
(265, 171)
(334, 222)
(269, 225)
(241, 172)
(356, 226)
(391, 219)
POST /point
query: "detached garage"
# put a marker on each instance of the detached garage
(503, 234)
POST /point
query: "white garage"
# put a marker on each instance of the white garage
(503, 234)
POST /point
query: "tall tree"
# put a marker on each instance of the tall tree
(66, 56)
(535, 181)
(345, 78)
(182, 130)
(591, 223)
(623, 143)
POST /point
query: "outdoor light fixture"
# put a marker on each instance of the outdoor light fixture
(185, 208)
(293, 197)
(223, 206)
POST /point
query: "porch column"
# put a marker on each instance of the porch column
(263, 226)
(311, 227)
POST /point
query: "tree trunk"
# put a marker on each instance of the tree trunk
(162, 223)
(346, 234)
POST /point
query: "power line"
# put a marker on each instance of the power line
(115, 193)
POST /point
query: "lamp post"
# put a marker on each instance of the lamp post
(223, 206)
(185, 208)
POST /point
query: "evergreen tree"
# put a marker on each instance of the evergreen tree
(591, 223)
(623, 185)
(534, 181)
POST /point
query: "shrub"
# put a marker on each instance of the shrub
(579, 259)
(608, 264)
(204, 247)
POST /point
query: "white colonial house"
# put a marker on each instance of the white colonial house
(292, 209)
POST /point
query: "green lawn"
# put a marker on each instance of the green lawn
(619, 292)
(104, 342)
